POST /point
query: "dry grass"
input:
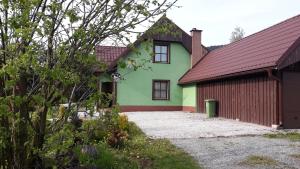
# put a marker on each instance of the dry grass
(254, 160)
(293, 136)
(295, 156)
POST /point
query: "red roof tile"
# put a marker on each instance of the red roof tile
(260, 50)
(108, 54)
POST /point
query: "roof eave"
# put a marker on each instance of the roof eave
(229, 75)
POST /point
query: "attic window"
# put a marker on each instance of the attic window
(161, 52)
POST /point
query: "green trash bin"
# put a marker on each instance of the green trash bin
(211, 107)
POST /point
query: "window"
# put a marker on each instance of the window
(161, 53)
(161, 90)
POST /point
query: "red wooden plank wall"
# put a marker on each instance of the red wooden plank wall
(251, 99)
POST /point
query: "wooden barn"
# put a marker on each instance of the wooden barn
(256, 79)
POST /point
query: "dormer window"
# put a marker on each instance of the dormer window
(161, 52)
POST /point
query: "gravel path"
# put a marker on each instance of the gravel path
(220, 153)
(217, 143)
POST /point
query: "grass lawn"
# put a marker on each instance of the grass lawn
(140, 152)
(293, 136)
(255, 160)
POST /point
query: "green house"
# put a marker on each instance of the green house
(149, 79)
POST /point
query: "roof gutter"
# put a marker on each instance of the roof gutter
(229, 75)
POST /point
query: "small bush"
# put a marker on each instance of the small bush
(111, 128)
(95, 130)
(118, 127)
(117, 138)
(123, 122)
(110, 119)
(61, 112)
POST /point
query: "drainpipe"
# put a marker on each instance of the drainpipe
(114, 93)
(279, 98)
(115, 77)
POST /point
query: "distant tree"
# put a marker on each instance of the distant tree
(237, 34)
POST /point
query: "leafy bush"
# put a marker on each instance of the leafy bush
(118, 127)
(117, 138)
(95, 130)
(60, 141)
(111, 127)
(57, 150)
(111, 118)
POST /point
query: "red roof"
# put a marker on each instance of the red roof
(257, 51)
(108, 54)
(111, 54)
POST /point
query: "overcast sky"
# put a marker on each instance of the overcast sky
(218, 18)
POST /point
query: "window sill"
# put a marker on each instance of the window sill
(161, 99)
(161, 62)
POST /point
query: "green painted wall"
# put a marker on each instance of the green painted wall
(136, 88)
(189, 95)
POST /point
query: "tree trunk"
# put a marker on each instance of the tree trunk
(20, 135)
(39, 138)
(41, 127)
(6, 155)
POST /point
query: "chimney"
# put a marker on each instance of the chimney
(197, 53)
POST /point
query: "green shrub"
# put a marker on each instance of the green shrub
(60, 141)
(105, 159)
(95, 130)
(111, 127)
(118, 127)
(110, 119)
(57, 149)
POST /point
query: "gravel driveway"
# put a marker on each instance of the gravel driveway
(191, 125)
(217, 143)
(230, 152)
